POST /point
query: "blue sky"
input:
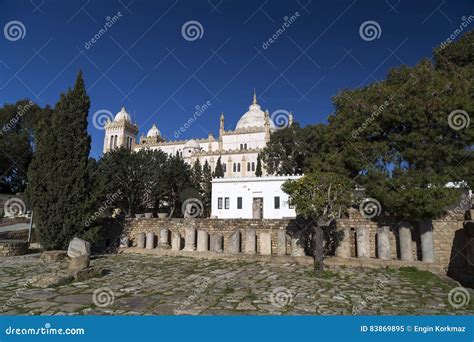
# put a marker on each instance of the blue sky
(144, 62)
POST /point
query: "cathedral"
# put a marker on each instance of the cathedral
(238, 149)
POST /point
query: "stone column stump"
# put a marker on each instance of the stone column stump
(190, 239)
(233, 246)
(202, 241)
(427, 244)
(141, 240)
(296, 248)
(175, 241)
(266, 243)
(383, 243)
(250, 241)
(343, 249)
(281, 242)
(163, 242)
(216, 243)
(404, 236)
(363, 243)
(150, 240)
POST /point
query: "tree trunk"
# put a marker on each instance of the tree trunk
(318, 254)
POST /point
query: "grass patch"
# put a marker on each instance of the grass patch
(326, 274)
(418, 277)
(228, 290)
(251, 296)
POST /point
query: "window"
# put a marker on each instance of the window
(239, 202)
(238, 167)
(224, 167)
(241, 146)
(219, 203)
(227, 203)
(248, 167)
(253, 166)
(234, 168)
(111, 142)
(277, 202)
(245, 146)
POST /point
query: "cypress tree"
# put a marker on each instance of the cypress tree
(258, 171)
(219, 171)
(59, 174)
(197, 176)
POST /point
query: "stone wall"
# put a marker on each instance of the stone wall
(134, 227)
(448, 235)
(13, 247)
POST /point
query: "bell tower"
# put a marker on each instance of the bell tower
(121, 132)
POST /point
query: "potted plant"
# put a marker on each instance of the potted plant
(163, 213)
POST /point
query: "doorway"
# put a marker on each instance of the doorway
(257, 208)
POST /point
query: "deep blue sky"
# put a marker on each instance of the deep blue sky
(143, 62)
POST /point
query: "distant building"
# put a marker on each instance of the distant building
(238, 149)
(251, 197)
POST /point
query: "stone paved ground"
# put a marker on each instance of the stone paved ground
(137, 285)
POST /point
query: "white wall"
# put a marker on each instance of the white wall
(248, 188)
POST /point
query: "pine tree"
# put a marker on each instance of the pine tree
(258, 171)
(207, 188)
(59, 174)
(219, 171)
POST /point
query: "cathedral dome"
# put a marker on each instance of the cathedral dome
(153, 132)
(123, 116)
(192, 144)
(254, 117)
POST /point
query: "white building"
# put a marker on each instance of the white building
(238, 149)
(251, 197)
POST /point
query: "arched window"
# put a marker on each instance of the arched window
(111, 142)
(234, 168)
(248, 167)
(115, 141)
(253, 166)
(245, 146)
(241, 146)
(238, 167)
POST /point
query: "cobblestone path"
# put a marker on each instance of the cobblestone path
(142, 285)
